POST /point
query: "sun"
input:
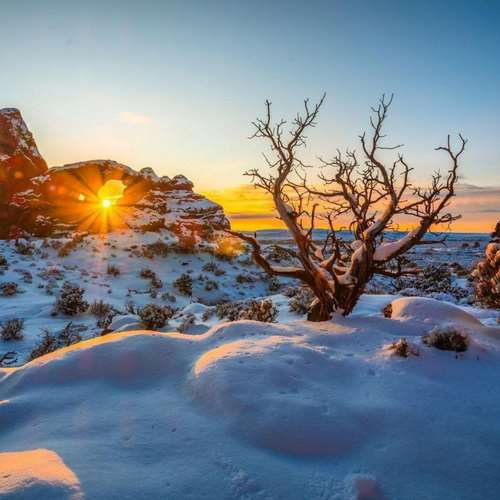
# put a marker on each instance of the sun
(106, 203)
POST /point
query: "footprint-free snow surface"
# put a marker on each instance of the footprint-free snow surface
(250, 410)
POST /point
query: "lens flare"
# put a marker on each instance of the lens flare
(106, 203)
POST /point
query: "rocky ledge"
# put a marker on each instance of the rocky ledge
(41, 201)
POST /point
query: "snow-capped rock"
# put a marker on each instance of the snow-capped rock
(43, 202)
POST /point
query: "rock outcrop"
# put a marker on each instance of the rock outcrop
(44, 202)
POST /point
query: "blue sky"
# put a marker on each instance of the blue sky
(175, 85)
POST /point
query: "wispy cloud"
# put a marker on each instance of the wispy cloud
(133, 118)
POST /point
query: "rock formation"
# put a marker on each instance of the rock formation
(42, 201)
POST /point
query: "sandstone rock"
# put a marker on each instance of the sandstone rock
(69, 197)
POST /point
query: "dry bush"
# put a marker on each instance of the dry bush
(3, 261)
(301, 301)
(403, 349)
(113, 270)
(260, 310)
(184, 284)
(447, 338)
(157, 248)
(70, 300)
(70, 245)
(103, 312)
(244, 278)
(387, 311)
(12, 329)
(487, 273)
(228, 247)
(50, 342)
(187, 321)
(154, 316)
(257, 310)
(212, 267)
(8, 289)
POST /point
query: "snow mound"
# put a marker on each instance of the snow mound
(36, 474)
(280, 393)
(430, 311)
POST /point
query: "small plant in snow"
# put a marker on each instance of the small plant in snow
(187, 321)
(184, 284)
(260, 310)
(70, 245)
(12, 329)
(273, 284)
(113, 270)
(103, 312)
(387, 311)
(212, 267)
(8, 289)
(211, 285)
(70, 300)
(447, 338)
(257, 310)
(244, 278)
(147, 273)
(50, 342)
(3, 261)
(487, 273)
(24, 247)
(301, 301)
(403, 349)
(154, 316)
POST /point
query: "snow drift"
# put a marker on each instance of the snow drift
(251, 410)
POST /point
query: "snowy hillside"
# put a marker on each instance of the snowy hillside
(149, 379)
(256, 411)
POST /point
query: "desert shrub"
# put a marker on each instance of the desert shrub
(387, 311)
(228, 247)
(207, 314)
(70, 245)
(244, 278)
(431, 280)
(229, 310)
(70, 300)
(157, 248)
(154, 316)
(12, 329)
(211, 285)
(487, 274)
(212, 267)
(447, 338)
(187, 321)
(260, 310)
(301, 301)
(3, 261)
(50, 342)
(24, 247)
(130, 307)
(403, 349)
(113, 270)
(257, 310)
(52, 272)
(274, 285)
(103, 312)
(184, 284)
(277, 253)
(8, 288)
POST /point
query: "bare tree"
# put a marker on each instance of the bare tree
(361, 187)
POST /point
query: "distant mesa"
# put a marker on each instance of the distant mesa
(93, 196)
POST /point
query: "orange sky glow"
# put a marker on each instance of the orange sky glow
(250, 209)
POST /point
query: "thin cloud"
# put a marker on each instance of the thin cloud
(134, 119)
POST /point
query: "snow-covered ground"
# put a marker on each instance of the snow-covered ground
(244, 409)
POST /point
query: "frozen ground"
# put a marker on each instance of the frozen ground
(250, 410)
(245, 410)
